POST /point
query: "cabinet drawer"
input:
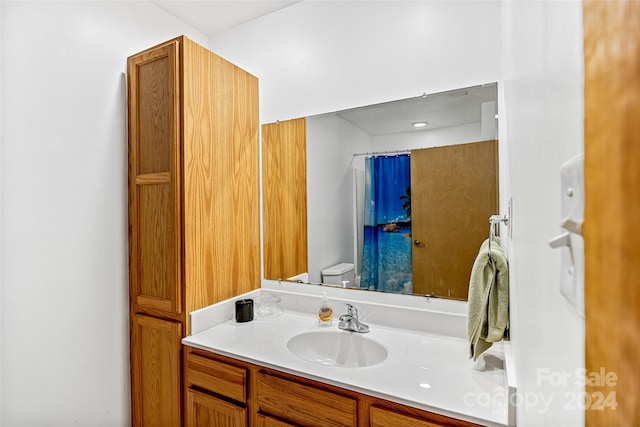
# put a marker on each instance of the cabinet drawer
(218, 377)
(267, 421)
(303, 404)
(381, 417)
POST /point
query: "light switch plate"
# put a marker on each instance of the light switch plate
(572, 270)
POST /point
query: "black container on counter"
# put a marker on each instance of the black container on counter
(244, 310)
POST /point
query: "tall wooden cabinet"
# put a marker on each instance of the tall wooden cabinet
(193, 208)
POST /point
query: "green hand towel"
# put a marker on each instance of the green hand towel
(488, 303)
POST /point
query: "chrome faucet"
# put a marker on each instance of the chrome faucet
(350, 322)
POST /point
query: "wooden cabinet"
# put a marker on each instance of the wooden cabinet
(216, 377)
(193, 204)
(303, 404)
(155, 352)
(204, 410)
(268, 421)
(216, 391)
(270, 398)
(381, 417)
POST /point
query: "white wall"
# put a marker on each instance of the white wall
(543, 111)
(331, 142)
(320, 56)
(1, 245)
(65, 354)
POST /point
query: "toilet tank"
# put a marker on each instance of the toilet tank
(339, 273)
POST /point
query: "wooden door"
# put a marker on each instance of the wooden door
(454, 191)
(204, 410)
(612, 211)
(284, 192)
(156, 380)
(154, 180)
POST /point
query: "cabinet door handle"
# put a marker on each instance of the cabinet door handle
(418, 244)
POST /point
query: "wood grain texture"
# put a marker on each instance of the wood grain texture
(267, 421)
(284, 192)
(154, 180)
(156, 256)
(221, 378)
(156, 375)
(193, 203)
(277, 399)
(454, 191)
(221, 179)
(612, 206)
(384, 418)
(302, 404)
(208, 411)
(156, 78)
(194, 128)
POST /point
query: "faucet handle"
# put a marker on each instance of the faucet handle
(352, 310)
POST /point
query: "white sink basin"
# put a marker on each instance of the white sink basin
(337, 348)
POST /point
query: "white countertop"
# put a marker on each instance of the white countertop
(427, 371)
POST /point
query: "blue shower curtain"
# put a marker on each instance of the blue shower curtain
(386, 255)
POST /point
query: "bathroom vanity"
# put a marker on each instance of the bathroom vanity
(222, 388)
(265, 372)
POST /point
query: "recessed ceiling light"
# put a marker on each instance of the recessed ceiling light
(419, 124)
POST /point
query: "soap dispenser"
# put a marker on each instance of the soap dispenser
(325, 312)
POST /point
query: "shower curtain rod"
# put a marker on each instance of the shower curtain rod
(376, 153)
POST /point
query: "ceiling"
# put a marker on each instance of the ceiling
(211, 17)
(445, 109)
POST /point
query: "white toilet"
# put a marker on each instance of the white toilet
(339, 273)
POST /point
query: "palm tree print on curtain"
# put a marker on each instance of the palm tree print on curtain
(386, 256)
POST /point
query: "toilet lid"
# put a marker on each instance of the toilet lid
(338, 269)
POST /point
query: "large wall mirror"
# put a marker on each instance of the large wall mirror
(393, 197)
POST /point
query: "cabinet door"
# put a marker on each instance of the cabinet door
(154, 180)
(155, 372)
(204, 410)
